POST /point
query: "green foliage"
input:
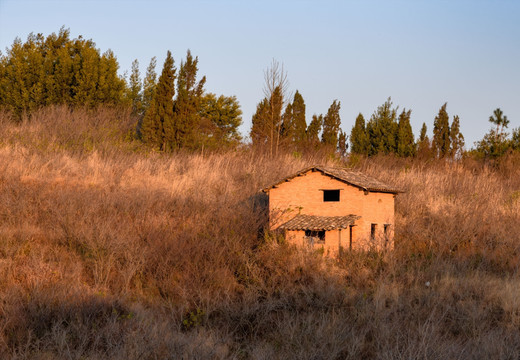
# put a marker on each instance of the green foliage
(456, 138)
(314, 129)
(157, 127)
(193, 319)
(57, 70)
(358, 137)
(441, 133)
(405, 139)
(496, 142)
(149, 84)
(331, 124)
(134, 90)
(299, 123)
(266, 122)
(382, 130)
(219, 121)
(287, 128)
(423, 145)
(342, 143)
(186, 107)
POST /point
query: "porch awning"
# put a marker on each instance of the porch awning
(313, 222)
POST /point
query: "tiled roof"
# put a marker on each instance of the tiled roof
(351, 177)
(312, 222)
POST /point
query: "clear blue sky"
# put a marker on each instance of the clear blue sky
(421, 53)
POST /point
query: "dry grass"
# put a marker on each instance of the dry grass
(108, 250)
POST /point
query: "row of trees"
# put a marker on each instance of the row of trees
(386, 132)
(174, 110)
(279, 122)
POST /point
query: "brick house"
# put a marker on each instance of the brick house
(333, 209)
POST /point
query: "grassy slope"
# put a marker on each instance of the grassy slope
(111, 251)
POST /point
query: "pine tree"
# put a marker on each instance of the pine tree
(456, 138)
(287, 129)
(157, 123)
(342, 143)
(423, 145)
(187, 105)
(314, 128)
(260, 133)
(149, 84)
(405, 139)
(298, 113)
(501, 123)
(134, 92)
(382, 130)
(331, 124)
(358, 136)
(441, 133)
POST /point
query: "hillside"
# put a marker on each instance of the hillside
(111, 250)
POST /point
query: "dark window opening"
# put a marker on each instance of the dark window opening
(387, 233)
(373, 228)
(330, 195)
(350, 236)
(315, 237)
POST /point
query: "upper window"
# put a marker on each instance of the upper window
(330, 195)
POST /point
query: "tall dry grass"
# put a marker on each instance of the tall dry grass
(109, 250)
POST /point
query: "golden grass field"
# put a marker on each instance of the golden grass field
(109, 250)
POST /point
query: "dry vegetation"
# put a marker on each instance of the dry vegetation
(111, 251)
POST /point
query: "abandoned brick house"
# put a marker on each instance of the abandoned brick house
(332, 208)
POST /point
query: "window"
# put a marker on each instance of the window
(330, 195)
(373, 229)
(315, 237)
(387, 233)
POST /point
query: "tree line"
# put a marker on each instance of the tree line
(174, 111)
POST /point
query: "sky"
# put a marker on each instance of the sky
(420, 53)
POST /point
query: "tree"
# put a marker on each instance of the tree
(500, 121)
(405, 139)
(134, 93)
(287, 128)
(158, 128)
(382, 130)
(220, 119)
(314, 129)
(58, 70)
(456, 138)
(358, 136)
(441, 133)
(149, 84)
(298, 116)
(423, 145)
(331, 124)
(186, 107)
(342, 143)
(260, 132)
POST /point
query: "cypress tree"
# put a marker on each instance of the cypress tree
(314, 128)
(149, 84)
(456, 138)
(405, 139)
(441, 133)
(342, 143)
(331, 124)
(157, 123)
(358, 136)
(423, 145)
(134, 93)
(181, 130)
(260, 133)
(287, 129)
(298, 114)
(382, 130)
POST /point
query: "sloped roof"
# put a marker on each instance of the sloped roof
(348, 176)
(312, 222)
